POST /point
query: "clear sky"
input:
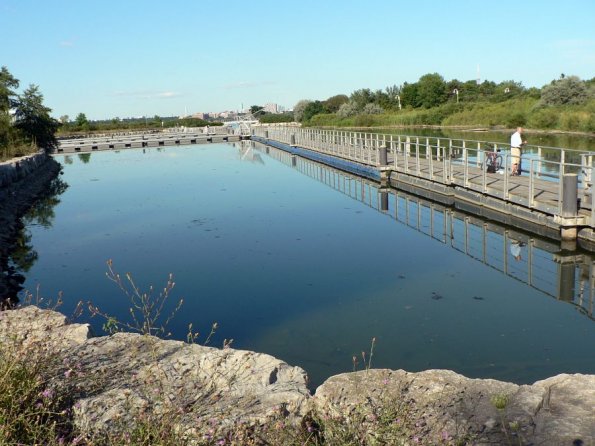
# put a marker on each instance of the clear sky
(134, 58)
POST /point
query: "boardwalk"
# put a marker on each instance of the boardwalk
(554, 191)
(139, 140)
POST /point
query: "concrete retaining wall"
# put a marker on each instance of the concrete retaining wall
(14, 170)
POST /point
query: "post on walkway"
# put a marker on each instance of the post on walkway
(383, 155)
(569, 204)
(266, 134)
(292, 139)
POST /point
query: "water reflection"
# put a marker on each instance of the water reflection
(24, 256)
(542, 264)
(247, 152)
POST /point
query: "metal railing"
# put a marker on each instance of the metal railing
(457, 161)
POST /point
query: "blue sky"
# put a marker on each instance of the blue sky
(134, 58)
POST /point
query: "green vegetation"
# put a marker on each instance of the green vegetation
(566, 104)
(25, 123)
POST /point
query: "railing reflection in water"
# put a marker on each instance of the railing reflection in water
(537, 262)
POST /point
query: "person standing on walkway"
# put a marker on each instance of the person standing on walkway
(516, 142)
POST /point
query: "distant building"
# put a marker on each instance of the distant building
(271, 108)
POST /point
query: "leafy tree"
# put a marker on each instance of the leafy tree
(372, 109)
(393, 95)
(565, 91)
(313, 108)
(346, 110)
(333, 103)
(431, 90)
(256, 109)
(409, 95)
(33, 119)
(8, 83)
(298, 110)
(64, 119)
(361, 97)
(81, 121)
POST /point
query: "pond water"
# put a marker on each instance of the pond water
(309, 264)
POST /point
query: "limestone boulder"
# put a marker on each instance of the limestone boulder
(441, 406)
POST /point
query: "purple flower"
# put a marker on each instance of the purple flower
(47, 393)
(67, 373)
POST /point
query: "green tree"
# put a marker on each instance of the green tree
(81, 121)
(255, 109)
(33, 119)
(569, 90)
(312, 109)
(8, 84)
(410, 95)
(431, 90)
(298, 110)
(362, 97)
(333, 103)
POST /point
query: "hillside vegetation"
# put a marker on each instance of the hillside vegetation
(566, 104)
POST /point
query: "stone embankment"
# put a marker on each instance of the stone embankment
(111, 379)
(22, 182)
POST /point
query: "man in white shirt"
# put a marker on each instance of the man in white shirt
(516, 141)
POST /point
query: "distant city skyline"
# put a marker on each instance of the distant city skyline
(124, 59)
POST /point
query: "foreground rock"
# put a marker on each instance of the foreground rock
(200, 392)
(443, 406)
(116, 379)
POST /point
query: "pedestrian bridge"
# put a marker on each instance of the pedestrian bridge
(552, 197)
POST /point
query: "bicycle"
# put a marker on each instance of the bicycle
(493, 161)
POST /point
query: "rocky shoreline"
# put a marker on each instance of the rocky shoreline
(111, 379)
(22, 182)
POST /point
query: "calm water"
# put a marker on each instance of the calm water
(300, 263)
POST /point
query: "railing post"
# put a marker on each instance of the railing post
(465, 166)
(539, 162)
(417, 165)
(569, 204)
(407, 151)
(382, 156)
(430, 158)
(505, 193)
(531, 184)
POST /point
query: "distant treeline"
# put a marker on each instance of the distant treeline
(567, 103)
(82, 125)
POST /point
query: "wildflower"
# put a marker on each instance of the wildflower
(445, 436)
(385, 381)
(67, 373)
(416, 439)
(47, 394)
(221, 442)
